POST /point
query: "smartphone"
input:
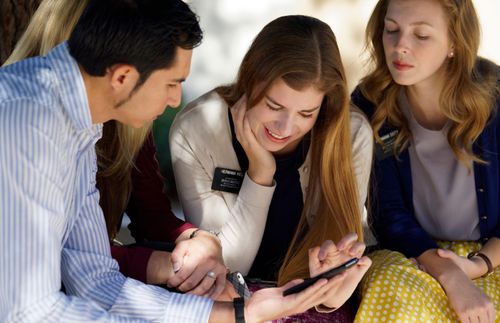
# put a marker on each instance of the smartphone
(327, 274)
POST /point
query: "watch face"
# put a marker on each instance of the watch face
(236, 279)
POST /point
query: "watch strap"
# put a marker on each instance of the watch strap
(239, 309)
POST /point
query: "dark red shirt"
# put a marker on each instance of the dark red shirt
(150, 213)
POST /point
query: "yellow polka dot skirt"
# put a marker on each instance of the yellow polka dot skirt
(395, 290)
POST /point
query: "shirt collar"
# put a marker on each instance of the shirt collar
(71, 87)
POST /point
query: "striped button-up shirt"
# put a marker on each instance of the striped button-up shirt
(51, 226)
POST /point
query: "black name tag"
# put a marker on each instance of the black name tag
(227, 180)
(386, 148)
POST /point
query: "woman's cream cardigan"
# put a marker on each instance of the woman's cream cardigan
(200, 141)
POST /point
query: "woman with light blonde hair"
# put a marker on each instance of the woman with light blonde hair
(433, 104)
(129, 181)
(278, 162)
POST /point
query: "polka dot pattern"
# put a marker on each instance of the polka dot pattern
(395, 290)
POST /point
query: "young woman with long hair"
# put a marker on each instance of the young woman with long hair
(278, 162)
(433, 105)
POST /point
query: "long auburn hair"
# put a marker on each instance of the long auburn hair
(119, 145)
(303, 52)
(467, 97)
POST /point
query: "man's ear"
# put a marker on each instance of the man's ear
(122, 77)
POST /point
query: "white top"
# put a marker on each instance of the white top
(444, 195)
(200, 141)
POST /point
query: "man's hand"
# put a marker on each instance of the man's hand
(198, 266)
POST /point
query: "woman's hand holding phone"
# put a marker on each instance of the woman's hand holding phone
(328, 255)
(327, 275)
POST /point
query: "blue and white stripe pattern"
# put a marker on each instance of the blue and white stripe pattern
(51, 225)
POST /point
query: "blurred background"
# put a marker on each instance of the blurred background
(230, 25)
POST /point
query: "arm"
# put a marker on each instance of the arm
(90, 273)
(469, 302)
(152, 220)
(126, 297)
(240, 218)
(132, 261)
(32, 223)
(149, 207)
(476, 266)
(362, 154)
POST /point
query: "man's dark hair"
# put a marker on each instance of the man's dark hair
(142, 33)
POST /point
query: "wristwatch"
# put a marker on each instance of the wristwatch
(212, 232)
(486, 260)
(239, 309)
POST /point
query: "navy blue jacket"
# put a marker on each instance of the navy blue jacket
(392, 212)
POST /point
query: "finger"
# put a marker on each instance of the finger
(218, 288)
(247, 131)
(192, 280)
(189, 275)
(333, 285)
(491, 313)
(203, 288)
(347, 240)
(482, 316)
(413, 261)
(313, 256)
(474, 317)
(357, 249)
(326, 247)
(365, 261)
(443, 253)
(310, 296)
(177, 256)
(331, 288)
(463, 317)
(238, 111)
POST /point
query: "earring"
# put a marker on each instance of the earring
(451, 54)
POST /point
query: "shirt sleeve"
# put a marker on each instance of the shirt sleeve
(34, 223)
(241, 224)
(89, 272)
(362, 155)
(149, 207)
(133, 261)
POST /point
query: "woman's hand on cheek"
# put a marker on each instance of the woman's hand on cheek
(261, 163)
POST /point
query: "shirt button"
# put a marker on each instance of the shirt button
(484, 217)
(481, 190)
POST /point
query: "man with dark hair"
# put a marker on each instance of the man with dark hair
(125, 61)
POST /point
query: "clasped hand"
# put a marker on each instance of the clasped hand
(195, 266)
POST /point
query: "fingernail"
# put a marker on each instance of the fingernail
(176, 267)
